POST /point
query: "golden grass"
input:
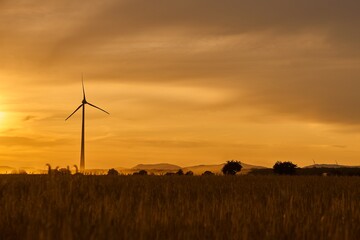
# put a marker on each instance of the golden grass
(179, 207)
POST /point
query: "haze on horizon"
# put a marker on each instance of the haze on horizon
(186, 82)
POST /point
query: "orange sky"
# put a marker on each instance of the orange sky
(186, 82)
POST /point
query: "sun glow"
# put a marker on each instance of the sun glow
(2, 119)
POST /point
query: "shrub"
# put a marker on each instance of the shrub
(22, 171)
(189, 173)
(64, 171)
(52, 172)
(143, 172)
(286, 168)
(231, 167)
(76, 169)
(208, 173)
(180, 172)
(113, 172)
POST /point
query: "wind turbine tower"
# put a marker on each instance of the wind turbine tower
(82, 105)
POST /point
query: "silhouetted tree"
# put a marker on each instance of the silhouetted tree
(64, 171)
(77, 173)
(113, 172)
(76, 169)
(169, 174)
(52, 171)
(231, 167)
(143, 172)
(208, 173)
(180, 172)
(189, 173)
(287, 168)
(49, 168)
(22, 171)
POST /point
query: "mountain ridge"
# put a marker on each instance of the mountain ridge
(157, 166)
(329, 166)
(161, 168)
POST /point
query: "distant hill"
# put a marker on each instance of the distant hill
(158, 166)
(329, 166)
(199, 169)
(249, 166)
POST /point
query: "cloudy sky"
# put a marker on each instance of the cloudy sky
(186, 82)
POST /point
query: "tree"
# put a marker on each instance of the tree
(208, 173)
(22, 171)
(143, 172)
(113, 172)
(189, 173)
(64, 171)
(286, 168)
(76, 169)
(77, 173)
(231, 167)
(51, 171)
(180, 172)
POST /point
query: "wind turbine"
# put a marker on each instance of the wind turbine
(82, 105)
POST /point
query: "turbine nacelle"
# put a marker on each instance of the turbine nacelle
(85, 102)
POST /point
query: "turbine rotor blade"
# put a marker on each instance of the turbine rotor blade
(97, 108)
(74, 111)
(83, 88)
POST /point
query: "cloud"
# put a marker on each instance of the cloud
(15, 141)
(339, 146)
(112, 18)
(289, 59)
(324, 100)
(28, 118)
(68, 28)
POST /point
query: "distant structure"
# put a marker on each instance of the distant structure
(314, 163)
(82, 105)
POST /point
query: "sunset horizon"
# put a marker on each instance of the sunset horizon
(180, 119)
(186, 83)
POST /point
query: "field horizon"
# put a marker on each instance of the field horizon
(159, 168)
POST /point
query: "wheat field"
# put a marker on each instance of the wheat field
(179, 207)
